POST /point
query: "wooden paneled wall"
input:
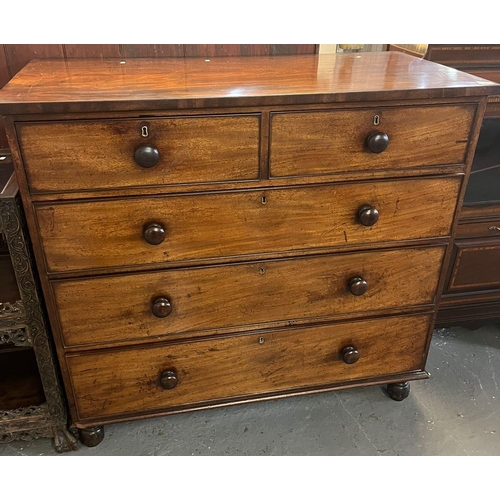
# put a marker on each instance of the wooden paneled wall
(15, 57)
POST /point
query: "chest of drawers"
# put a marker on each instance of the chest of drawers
(217, 232)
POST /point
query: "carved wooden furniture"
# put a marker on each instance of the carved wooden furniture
(211, 232)
(471, 296)
(31, 400)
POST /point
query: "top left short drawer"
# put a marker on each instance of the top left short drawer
(107, 154)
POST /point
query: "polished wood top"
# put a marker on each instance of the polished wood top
(148, 84)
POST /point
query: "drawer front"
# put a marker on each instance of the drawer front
(121, 308)
(100, 234)
(115, 382)
(73, 156)
(314, 143)
(476, 266)
(478, 229)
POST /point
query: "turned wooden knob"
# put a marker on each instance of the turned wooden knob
(377, 142)
(367, 215)
(358, 286)
(154, 233)
(161, 307)
(168, 379)
(350, 354)
(146, 156)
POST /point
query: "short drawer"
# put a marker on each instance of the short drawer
(326, 142)
(95, 155)
(478, 229)
(165, 377)
(475, 266)
(114, 233)
(244, 296)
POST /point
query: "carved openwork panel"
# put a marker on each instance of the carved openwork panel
(18, 337)
(7, 309)
(22, 323)
(25, 424)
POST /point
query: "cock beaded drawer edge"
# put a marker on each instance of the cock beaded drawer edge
(211, 232)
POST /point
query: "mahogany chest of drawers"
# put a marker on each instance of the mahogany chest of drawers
(219, 231)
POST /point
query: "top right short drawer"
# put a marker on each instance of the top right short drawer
(336, 141)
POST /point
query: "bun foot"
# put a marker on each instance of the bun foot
(92, 436)
(398, 391)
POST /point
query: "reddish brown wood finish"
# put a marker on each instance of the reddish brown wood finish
(102, 153)
(20, 55)
(122, 381)
(218, 227)
(70, 86)
(416, 137)
(218, 234)
(152, 50)
(82, 51)
(4, 70)
(4, 78)
(244, 296)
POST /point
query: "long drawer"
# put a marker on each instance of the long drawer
(114, 233)
(94, 155)
(323, 142)
(112, 382)
(176, 302)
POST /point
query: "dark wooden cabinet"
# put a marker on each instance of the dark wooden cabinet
(239, 229)
(32, 403)
(472, 292)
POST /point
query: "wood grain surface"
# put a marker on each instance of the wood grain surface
(118, 308)
(21, 54)
(335, 141)
(68, 156)
(100, 234)
(142, 84)
(170, 291)
(113, 382)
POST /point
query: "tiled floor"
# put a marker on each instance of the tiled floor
(455, 412)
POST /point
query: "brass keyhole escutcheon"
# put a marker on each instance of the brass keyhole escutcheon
(376, 120)
(144, 131)
(264, 200)
(262, 270)
(261, 340)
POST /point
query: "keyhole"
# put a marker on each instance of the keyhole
(264, 200)
(261, 340)
(376, 120)
(262, 270)
(144, 131)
